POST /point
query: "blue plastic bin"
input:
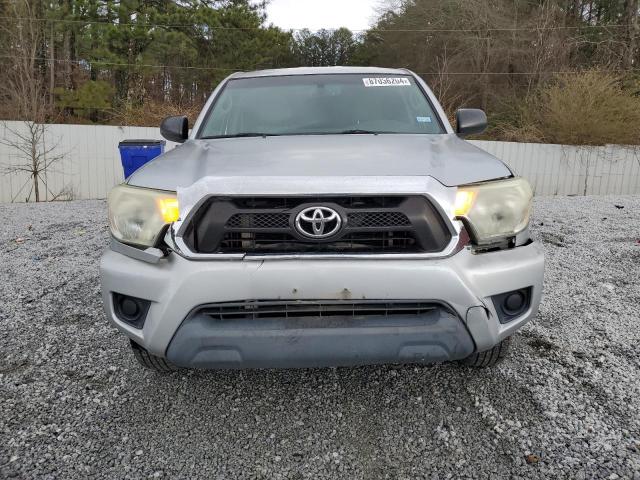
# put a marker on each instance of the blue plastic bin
(135, 153)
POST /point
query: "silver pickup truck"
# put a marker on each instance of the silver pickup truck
(321, 217)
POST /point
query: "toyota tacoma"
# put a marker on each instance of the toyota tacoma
(321, 217)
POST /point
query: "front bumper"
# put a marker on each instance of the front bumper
(463, 283)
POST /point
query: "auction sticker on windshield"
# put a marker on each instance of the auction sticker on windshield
(386, 82)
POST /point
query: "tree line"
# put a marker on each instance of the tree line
(543, 69)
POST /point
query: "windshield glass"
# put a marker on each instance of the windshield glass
(320, 104)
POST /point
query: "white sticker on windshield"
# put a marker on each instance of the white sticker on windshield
(423, 119)
(386, 82)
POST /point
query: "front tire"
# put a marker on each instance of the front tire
(488, 358)
(150, 361)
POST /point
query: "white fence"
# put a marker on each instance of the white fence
(91, 164)
(571, 170)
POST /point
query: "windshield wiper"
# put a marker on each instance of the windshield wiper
(258, 134)
(240, 135)
(356, 131)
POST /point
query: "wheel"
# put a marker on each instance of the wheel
(488, 358)
(150, 361)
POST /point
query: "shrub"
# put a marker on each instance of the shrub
(587, 108)
(151, 113)
(91, 100)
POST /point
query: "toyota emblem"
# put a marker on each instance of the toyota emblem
(318, 222)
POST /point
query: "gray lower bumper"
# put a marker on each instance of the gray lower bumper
(435, 336)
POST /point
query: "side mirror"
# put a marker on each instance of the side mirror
(470, 121)
(175, 129)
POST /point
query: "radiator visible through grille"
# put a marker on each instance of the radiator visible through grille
(361, 242)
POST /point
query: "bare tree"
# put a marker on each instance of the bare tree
(23, 83)
(630, 19)
(24, 89)
(548, 48)
(35, 157)
(444, 85)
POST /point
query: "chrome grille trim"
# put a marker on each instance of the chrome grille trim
(442, 198)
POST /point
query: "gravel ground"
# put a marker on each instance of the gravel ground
(564, 404)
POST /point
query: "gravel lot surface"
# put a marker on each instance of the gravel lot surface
(564, 404)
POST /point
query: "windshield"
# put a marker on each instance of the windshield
(320, 104)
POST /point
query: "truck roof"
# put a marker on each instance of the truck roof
(319, 71)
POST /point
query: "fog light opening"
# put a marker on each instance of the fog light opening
(130, 310)
(511, 305)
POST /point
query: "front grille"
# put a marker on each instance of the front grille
(260, 309)
(266, 225)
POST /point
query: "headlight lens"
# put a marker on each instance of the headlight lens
(495, 210)
(138, 215)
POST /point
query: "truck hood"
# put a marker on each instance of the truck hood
(446, 158)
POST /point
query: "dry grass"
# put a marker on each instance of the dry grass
(590, 108)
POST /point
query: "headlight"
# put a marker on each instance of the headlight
(495, 210)
(138, 215)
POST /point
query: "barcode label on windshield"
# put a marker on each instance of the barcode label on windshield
(386, 82)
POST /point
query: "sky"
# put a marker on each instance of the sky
(317, 14)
